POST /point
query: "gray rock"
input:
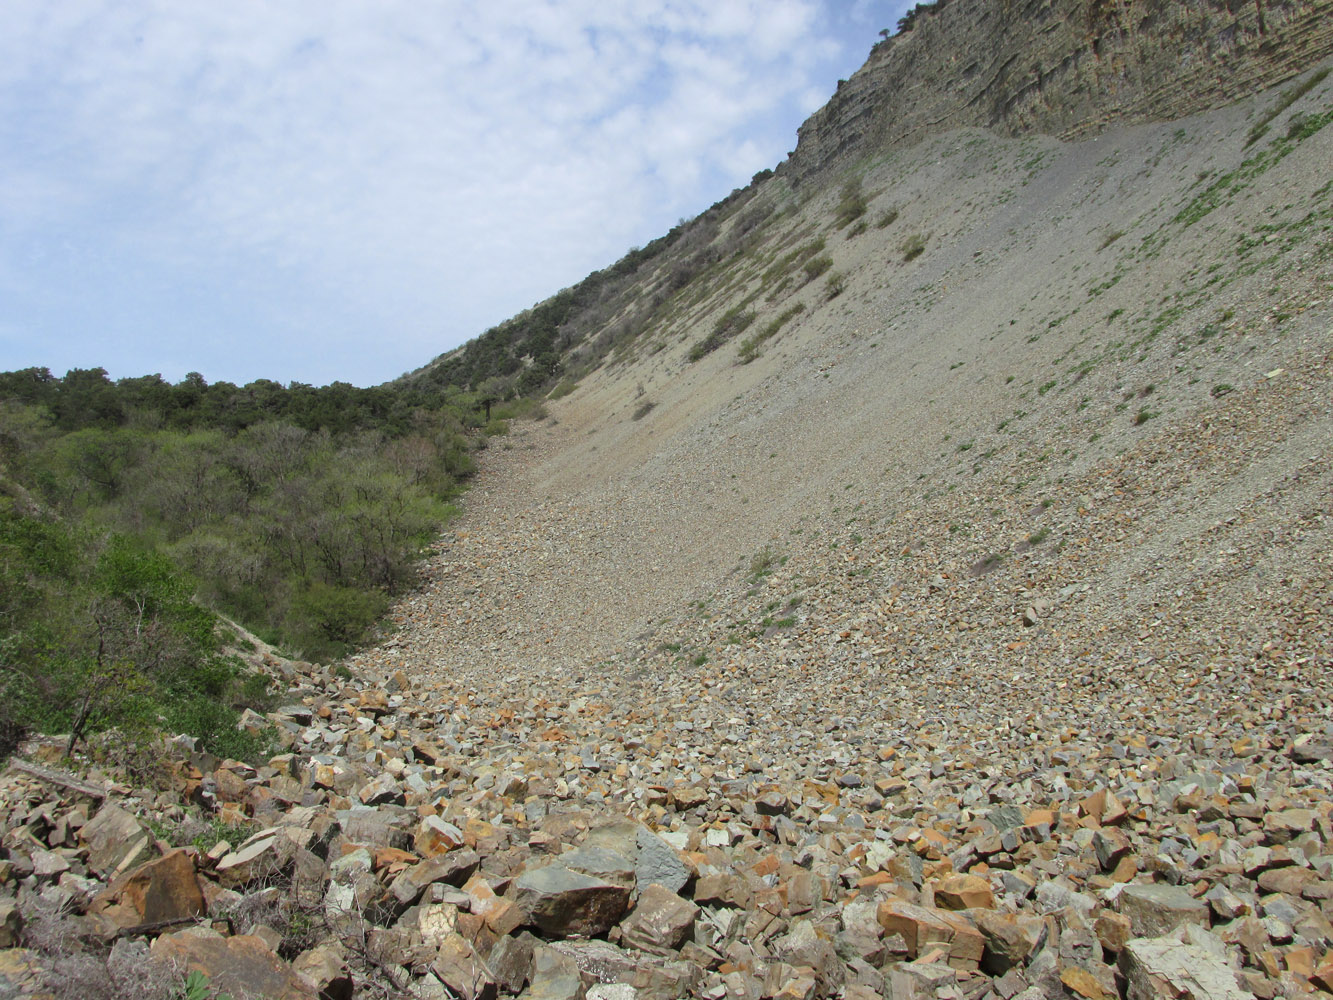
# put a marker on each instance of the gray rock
(511, 961)
(661, 921)
(11, 924)
(116, 841)
(657, 862)
(1165, 969)
(380, 826)
(562, 902)
(453, 868)
(612, 991)
(601, 862)
(256, 860)
(461, 969)
(554, 976)
(1155, 910)
(803, 945)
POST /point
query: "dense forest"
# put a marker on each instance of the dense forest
(137, 516)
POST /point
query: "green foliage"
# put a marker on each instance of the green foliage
(87, 398)
(1285, 100)
(762, 564)
(835, 285)
(908, 21)
(749, 349)
(98, 632)
(522, 408)
(817, 266)
(563, 389)
(330, 619)
(130, 509)
(851, 206)
(197, 986)
(1225, 187)
(887, 218)
(912, 247)
(732, 322)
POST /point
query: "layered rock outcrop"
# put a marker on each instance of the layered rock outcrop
(1062, 67)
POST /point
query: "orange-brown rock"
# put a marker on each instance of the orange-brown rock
(922, 927)
(964, 892)
(165, 888)
(242, 965)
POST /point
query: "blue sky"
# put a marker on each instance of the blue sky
(320, 190)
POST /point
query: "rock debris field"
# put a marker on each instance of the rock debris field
(813, 682)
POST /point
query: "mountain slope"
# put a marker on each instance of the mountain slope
(1006, 554)
(1072, 309)
(924, 589)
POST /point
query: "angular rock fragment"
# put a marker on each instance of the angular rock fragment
(1010, 940)
(661, 921)
(923, 928)
(460, 968)
(1154, 910)
(1165, 969)
(964, 892)
(243, 965)
(323, 968)
(11, 924)
(555, 976)
(453, 868)
(164, 889)
(116, 841)
(562, 902)
(658, 862)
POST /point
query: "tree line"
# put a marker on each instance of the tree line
(135, 512)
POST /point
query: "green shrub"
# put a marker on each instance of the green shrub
(330, 619)
(835, 285)
(750, 345)
(851, 206)
(562, 389)
(732, 322)
(817, 266)
(887, 218)
(912, 247)
(1285, 100)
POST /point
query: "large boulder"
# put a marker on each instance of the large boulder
(562, 902)
(116, 841)
(1154, 910)
(1165, 969)
(157, 891)
(242, 965)
(661, 921)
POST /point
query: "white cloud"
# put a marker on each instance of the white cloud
(390, 173)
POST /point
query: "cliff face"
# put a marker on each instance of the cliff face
(1062, 67)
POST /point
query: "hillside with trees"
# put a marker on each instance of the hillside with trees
(136, 515)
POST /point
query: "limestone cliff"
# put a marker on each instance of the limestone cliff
(1063, 67)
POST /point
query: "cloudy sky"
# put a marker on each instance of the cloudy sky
(320, 190)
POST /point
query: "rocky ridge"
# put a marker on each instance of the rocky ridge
(1061, 68)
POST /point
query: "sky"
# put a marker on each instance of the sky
(340, 190)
